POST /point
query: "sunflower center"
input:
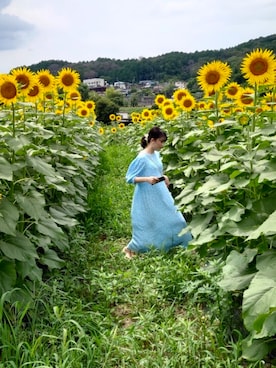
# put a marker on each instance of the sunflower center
(8, 90)
(83, 112)
(23, 80)
(246, 100)
(258, 66)
(187, 103)
(212, 77)
(181, 95)
(68, 80)
(232, 91)
(44, 80)
(34, 91)
(169, 111)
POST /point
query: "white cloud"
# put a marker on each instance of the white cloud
(36, 30)
(13, 30)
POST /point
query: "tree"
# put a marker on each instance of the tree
(105, 107)
(114, 96)
(84, 91)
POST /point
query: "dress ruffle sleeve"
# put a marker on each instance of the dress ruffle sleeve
(135, 169)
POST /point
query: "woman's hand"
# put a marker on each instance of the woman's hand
(167, 181)
(152, 180)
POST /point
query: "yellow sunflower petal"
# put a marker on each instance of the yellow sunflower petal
(213, 76)
(259, 67)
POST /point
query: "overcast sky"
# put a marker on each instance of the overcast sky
(35, 30)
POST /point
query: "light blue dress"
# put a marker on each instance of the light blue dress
(156, 221)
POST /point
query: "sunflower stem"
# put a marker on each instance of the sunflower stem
(255, 105)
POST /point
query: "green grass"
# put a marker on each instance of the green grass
(104, 311)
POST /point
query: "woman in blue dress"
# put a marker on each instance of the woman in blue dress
(156, 221)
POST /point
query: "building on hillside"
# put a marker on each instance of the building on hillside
(120, 85)
(180, 85)
(96, 83)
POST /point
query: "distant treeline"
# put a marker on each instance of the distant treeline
(172, 66)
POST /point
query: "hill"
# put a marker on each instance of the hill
(167, 67)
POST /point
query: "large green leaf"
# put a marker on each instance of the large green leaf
(9, 215)
(236, 273)
(269, 173)
(48, 227)
(266, 324)
(216, 183)
(267, 227)
(62, 218)
(7, 275)
(260, 297)
(17, 143)
(29, 269)
(5, 169)
(32, 203)
(43, 167)
(199, 223)
(51, 259)
(18, 247)
(254, 350)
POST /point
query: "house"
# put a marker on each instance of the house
(95, 83)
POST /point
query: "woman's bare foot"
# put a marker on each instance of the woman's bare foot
(128, 253)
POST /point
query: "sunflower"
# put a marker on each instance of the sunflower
(90, 105)
(179, 94)
(259, 66)
(83, 112)
(169, 112)
(159, 99)
(8, 89)
(146, 114)
(35, 93)
(135, 117)
(187, 103)
(101, 131)
(68, 79)
(113, 130)
(213, 76)
(246, 97)
(46, 79)
(270, 97)
(25, 79)
(50, 96)
(112, 117)
(74, 95)
(118, 118)
(121, 126)
(201, 105)
(243, 119)
(226, 108)
(231, 90)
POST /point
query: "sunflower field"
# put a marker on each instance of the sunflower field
(49, 152)
(220, 157)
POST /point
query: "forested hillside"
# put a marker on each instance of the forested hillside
(168, 67)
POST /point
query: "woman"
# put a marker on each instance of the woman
(156, 222)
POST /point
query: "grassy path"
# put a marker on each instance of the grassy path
(102, 310)
(148, 311)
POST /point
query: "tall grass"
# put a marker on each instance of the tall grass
(102, 310)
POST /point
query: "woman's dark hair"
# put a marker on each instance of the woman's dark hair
(154, 133)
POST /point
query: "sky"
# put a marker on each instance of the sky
(37, 30)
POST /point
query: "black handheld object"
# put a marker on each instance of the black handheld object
(161, 178)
